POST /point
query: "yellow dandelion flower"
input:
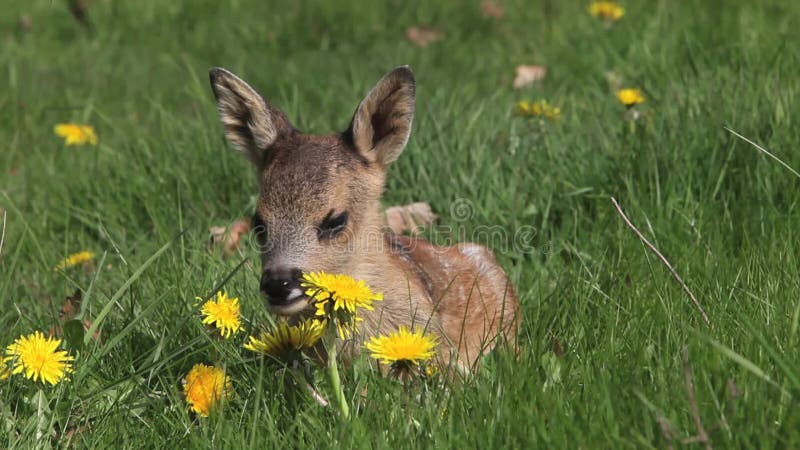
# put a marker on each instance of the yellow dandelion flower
(345, 326)
(345, 292)
(610, 11)
(75, 134)
(523, 108)
(630, 97)
(75, 259)
(5, 372)
(285, 338)
(538, 108)
(205, 387)
(402, 346)
(551, 112)
(222, 313)
(37, 357)
(431, 371)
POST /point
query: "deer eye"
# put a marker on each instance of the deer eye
(332, 225)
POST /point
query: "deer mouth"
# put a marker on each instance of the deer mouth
(294, 303)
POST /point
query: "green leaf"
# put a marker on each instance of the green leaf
(43, 413)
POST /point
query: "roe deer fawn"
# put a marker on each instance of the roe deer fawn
(319, 210)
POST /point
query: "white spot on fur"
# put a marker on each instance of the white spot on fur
(471, 251)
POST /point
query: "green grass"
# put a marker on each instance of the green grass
(722, 212)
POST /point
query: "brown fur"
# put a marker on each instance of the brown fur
(457, 292)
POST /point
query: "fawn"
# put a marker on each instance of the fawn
(319, 210)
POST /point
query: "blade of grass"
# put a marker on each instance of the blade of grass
(141, 371)
(118, 336)
(742, 361)
(90, 290)
(107, 308)
(787, 370)
(765, 151)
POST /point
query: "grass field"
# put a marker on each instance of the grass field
(605, 324)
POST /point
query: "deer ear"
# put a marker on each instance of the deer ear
(251, 124)
(382, 122)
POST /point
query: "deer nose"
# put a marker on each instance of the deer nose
(281, 285)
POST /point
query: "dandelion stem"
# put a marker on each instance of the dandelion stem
(333, 374)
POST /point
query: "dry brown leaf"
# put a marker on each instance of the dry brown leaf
(423, 36)
(527, 75)
(25, 23)
(410, 218)
(79, 10)
(557, 346)
(227, 238)
(70, 309)
(71, 306)
(492, 9)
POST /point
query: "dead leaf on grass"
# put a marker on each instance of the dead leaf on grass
(25, 23)
(492, 9)
(527, 75)
(80, 11)
(557, 347)
(227, 238)
(71, 306)
(69, 311)
(423, 36)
